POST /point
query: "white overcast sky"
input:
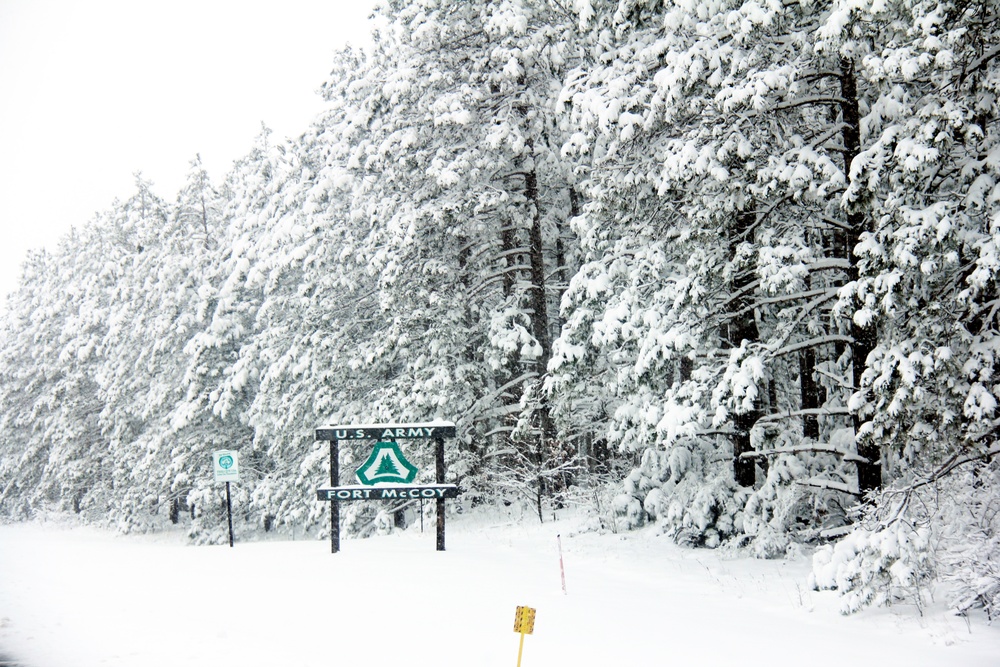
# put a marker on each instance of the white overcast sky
(92, 91)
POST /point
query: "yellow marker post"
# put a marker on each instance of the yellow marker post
(524, 623)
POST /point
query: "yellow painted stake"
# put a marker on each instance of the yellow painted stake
(524, 623)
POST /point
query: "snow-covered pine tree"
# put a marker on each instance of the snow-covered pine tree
(457, 176)
(152, 318)
(56, 325)
(133, 386)
(41, 463)
(221, 374)
(733, 129)
(929, 274)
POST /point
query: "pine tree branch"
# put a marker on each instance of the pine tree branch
(798, 296)
(791, 414)
(820, 449)
(829, 485)
(799, 102)
(980, 62)
(812, 342)
(953, 463)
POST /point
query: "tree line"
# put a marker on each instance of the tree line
(728, 268)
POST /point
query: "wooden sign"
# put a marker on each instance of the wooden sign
(423, 431)
(386, 475)
(425, 491)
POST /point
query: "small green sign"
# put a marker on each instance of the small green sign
(226, 463)
(386, 465)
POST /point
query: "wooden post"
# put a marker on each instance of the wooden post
(334, 503)
(439, 478)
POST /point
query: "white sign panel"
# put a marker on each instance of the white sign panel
(227, 465)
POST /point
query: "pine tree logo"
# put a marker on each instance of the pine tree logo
(386, 465)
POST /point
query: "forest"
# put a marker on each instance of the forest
(727, 268)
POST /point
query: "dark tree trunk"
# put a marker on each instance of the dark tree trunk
(741, 325)
(686, 369)
(864, 338)
(540, 329)
(811, 393)
(508, 249)
(536, 258)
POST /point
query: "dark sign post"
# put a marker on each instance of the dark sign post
(335, 505)
(387, 435)
(439, 478)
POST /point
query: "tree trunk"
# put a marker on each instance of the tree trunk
(864, 337)
(809, 393)
(536, 258)
(741, 325)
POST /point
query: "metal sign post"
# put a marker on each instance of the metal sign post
(229, 514)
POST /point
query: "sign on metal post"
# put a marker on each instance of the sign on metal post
(227, 469)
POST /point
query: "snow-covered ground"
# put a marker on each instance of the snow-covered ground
(78, 597)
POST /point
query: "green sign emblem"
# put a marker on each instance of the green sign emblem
(386, 465)
(226, 462)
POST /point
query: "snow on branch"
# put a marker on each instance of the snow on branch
(778, 416)
(812, 342)
(500, 411)
(496, 393)
(981, 60)
(495, 277)
(824, 294)
(830, 263)
(823, 291)
(956, 461)
(818, 448)
(804, 312)
(812, 75)
(716, 431)
(799, 102)
(829, 485)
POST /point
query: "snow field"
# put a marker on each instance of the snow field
(77, 597)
